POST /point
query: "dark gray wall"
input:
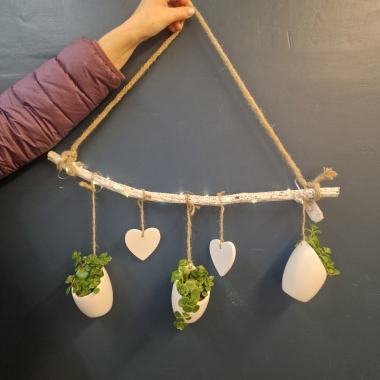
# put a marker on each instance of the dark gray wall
(313, 66)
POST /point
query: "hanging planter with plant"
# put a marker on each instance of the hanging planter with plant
(192, 285)
(91, 286)
(308, 267)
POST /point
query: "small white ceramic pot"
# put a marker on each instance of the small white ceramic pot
(194, 316)
(96, 305)
(304, 273)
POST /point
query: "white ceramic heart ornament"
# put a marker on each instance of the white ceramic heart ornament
(223, 256)
(142, 246)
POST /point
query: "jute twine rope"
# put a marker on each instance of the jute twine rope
(140, 202)
(303, 219)
(68, 158)
(221, 221)
(190, 210)
(93, 191)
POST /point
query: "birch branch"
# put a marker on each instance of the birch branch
(269, 196)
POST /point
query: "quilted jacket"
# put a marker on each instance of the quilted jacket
(42, 108)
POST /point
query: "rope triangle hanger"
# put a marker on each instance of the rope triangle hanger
(311, 189)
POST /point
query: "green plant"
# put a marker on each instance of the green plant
(88, 274)
(193, 285)
(322, 252)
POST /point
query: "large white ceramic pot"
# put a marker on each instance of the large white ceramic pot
(304, 273)
(96, 305)
(194, 316)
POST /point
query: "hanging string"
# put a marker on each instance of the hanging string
(93, 191)
(69, 157)
(140, 202)
(303, 218)
(190, 210)
(221, 225)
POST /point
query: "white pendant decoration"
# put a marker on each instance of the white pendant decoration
(304, 273)
(194, 316)
(96, 305)
(223, 256)
(142, 247)
(314, 211)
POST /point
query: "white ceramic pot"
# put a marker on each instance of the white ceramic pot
(304, 273)
(194, 316)
(96, 305)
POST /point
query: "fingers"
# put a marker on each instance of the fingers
(176, 26)
(172, 28)
(180, 13)
(180, 10)
(181, 3)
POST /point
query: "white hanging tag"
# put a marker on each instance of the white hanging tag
(312, 209)
(314, 212)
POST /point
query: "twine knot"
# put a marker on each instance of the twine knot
(67, 162)
(327, 174)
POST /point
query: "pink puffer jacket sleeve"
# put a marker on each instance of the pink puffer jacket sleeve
(42, 108)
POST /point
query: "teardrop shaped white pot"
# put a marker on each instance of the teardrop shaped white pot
(96, 305)
(304, 273)
(194, 316)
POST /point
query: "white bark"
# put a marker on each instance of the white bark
(270, 196)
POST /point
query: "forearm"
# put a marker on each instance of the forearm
(42, 108)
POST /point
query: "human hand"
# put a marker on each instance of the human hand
(152, 16)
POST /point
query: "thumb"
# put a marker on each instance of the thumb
(179, 14)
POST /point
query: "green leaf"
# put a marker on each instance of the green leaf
(336, 272)
(180, 325)
(176, 275)
(191, 285)
(69, 279)
(325, 259)
(183, 263)
(177, 314)
(82, 274)
(183, 301)
(195, 308)
(96, 290)
(315, 241)
(68, 290)
(195, 295)
(187, 308)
